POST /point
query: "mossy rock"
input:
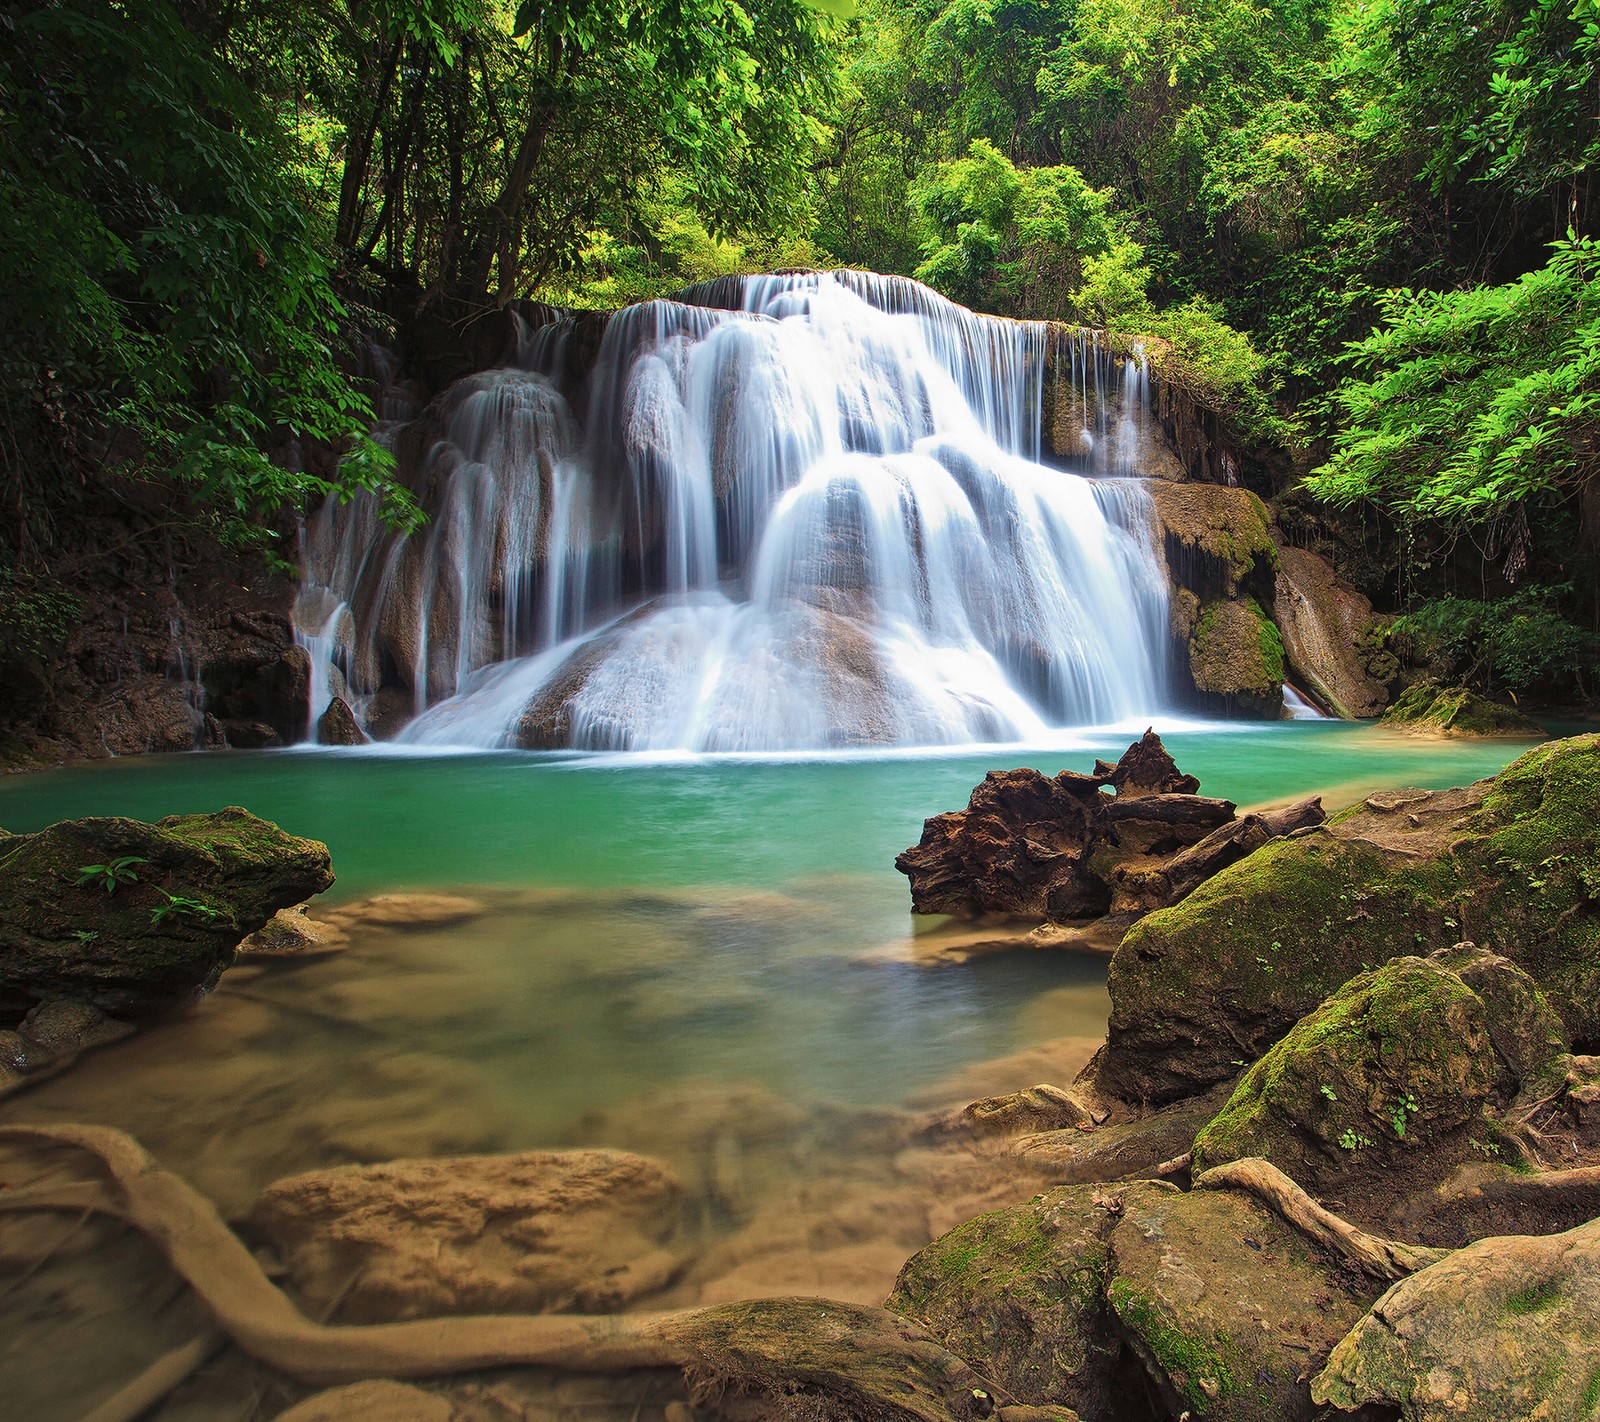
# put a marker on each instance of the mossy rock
(1236, 657)
(1225, 1304)
(1020, 1294)
(1217, 539)
(1455, 711)
(1392, 1064)
(1508, 1328)
(1202, 989)
(159, 921)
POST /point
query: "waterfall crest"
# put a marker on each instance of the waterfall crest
(797, 511)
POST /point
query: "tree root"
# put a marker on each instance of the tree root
(846, 1357)
(133, 1399)
(1382, 1258)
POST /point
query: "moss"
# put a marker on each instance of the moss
(1589, 1404)
(1534, 1298)
(1404, 1055)
(1188, 1361)
(1453, 710)
(1235, 650)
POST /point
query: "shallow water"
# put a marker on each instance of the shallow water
(702, 960)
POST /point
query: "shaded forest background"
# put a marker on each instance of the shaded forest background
(1361, 231)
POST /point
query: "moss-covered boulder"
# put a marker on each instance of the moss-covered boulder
(1020, 1294)
(1088, 1296)
(1455, 711)
(1394, 1064)
(1236, 658)
(1508, 1328)
(1202, 989)
(138, 918)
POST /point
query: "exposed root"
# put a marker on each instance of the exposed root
(135, 1398)
(859, 1358)
(1382, 1258)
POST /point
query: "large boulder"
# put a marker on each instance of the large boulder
(1236, 658)
(583, 1230)
(1394, 1066)
(136, 918)
(1326, 626)
(1507, 1328)
(1201, 989)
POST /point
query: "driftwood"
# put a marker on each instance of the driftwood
(1191, 867)
(1382, 1258)
(850, 1359)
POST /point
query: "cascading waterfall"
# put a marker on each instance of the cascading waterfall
(799, 511)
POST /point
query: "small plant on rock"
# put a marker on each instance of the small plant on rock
(1404, 1108)
(185, 907)
(112, 876)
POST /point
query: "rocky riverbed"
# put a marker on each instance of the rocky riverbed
(1334, 1067)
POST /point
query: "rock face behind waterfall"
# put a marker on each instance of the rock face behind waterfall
(1128, 838)
(159, 921)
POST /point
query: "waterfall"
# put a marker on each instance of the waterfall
(794, 511)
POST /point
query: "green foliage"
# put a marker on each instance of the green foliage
(184, 907)
(112, 876)
(165, 302)
(1517, 643)
(1475, 402)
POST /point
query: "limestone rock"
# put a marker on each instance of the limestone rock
(402, 911)
(1218, 540)
(63, 1029)
(389, 712)
(1323, 621)
(337, 726)
(292, 933)
(1236, 658)
(1395, 1062)
(534, 1232)
(1036, 1108)
(182, 895)
(1507, 1328)
(1199, 989)
(1455, 711)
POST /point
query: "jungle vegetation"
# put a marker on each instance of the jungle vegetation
(1369, 227)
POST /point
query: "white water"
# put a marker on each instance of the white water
(798, 512)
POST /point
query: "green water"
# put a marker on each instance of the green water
(645, 926)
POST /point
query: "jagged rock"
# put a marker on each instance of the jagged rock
(1030, 846)
(1208, 985)
(337, 726)
(182, 895)
(1455, 711)
(1508, 1328)
(1392, 1068)
(541, 1231)
(1323, 622)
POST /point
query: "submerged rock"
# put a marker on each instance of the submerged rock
(1203, 988)
(292, 933)
(543, 1231)
(1455, 711)
(1508, 1328)
(135, 918)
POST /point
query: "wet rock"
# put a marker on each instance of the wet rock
(292, 933)
(337, 726)
(377, 1401)
(1391, 1069)
(535, 1232)
(1455, 711)
(136, 919)
(1507, 1328)
(1037, 1108)
(404, 911)
(63, 1029)
(1236, 658)
(1031, 846)
(1203, 988)
(1325, 623)
(389, 712)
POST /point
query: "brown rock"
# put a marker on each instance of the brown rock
(1322, 620)
(541, 1231)
(337, 726)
